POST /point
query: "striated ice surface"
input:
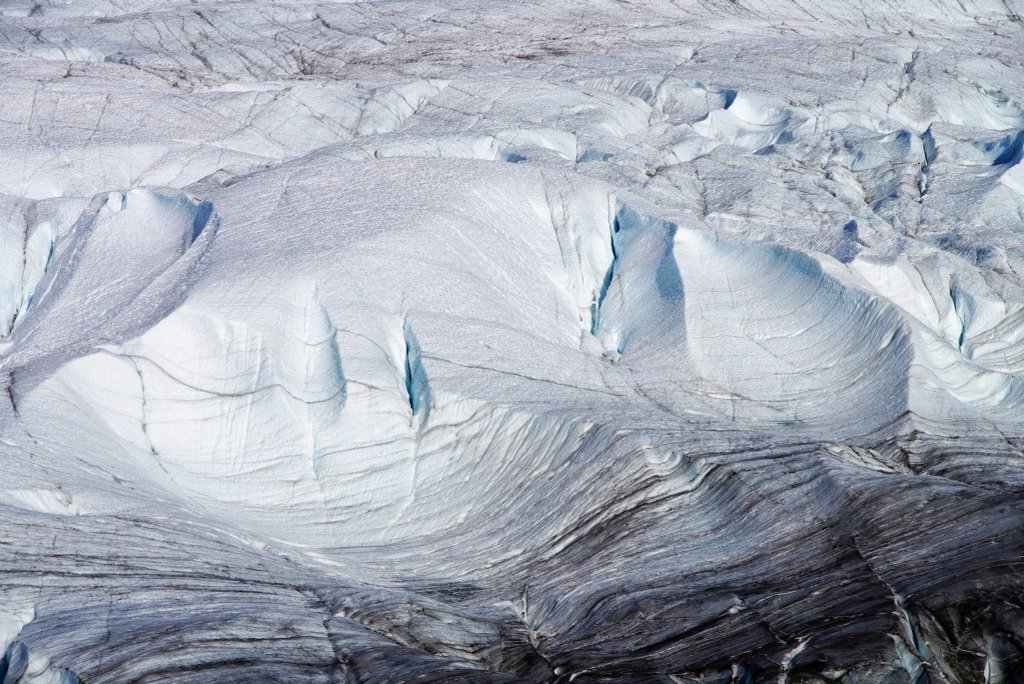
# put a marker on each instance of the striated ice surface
(471, 341)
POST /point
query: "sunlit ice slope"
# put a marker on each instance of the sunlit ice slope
(478, 342)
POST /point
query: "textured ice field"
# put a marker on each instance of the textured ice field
(479, 341)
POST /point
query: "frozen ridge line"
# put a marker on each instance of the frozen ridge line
(477, 342)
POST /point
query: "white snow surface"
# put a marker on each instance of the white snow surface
(480, 341)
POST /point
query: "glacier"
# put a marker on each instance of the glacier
(468, 341)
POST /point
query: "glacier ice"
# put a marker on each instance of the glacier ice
(460, 341)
